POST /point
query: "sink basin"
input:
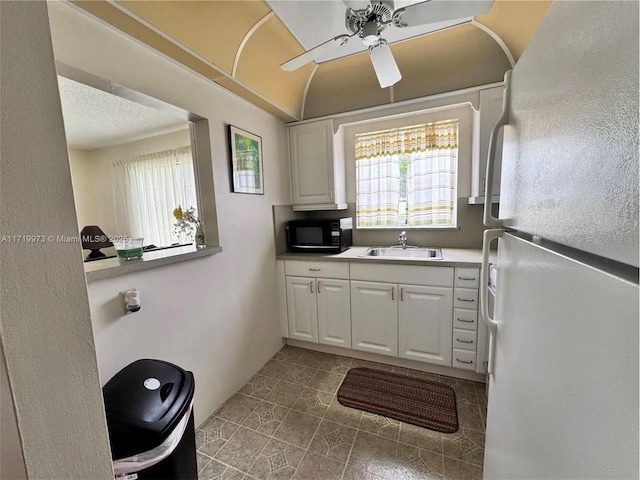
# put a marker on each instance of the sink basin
(408, 253)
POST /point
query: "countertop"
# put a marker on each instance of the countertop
(111, 267)
(451, 257)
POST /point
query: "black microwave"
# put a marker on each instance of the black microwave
(328, 236)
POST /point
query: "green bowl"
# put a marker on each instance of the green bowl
(129, 249)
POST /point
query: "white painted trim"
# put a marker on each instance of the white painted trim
(306, 89)
(246, 38)
(497, 39)
(404, 103)
(181, 46)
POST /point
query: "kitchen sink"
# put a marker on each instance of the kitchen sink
(408, 253)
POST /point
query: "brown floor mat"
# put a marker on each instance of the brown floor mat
(412, 400)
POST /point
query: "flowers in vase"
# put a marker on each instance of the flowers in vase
(187, 223)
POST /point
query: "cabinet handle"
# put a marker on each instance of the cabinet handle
(466, 299)
(311, 287)
(393, 293)
(318, 286)
(402, 294)
(330, 194)
(466, 278)
(464, 341)
(469, 362)
(315, 269)
(464, 321)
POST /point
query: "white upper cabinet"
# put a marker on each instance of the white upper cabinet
(490, 110)
(317, 167)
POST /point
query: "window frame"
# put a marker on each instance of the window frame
(464, 112)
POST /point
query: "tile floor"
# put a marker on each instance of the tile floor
(287, 423)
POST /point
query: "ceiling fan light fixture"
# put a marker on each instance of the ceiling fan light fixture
(370, 34)
(384, 64)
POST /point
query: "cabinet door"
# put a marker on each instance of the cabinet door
(424, 323)
(374, 317)
(490, 110)
(301, 309)
(311, 151)
(334, 312)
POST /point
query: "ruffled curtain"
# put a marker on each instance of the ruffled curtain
(431, 152)
(431, 174)
(147, 188)
(377, 180)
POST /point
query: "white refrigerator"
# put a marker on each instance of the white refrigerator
(563, 389)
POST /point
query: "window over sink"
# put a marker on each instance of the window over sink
(406, 177)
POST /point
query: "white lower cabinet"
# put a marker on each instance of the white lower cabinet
(424, 324)
(301, 309)
(425, 314)
(319, 310)
(465, 320)
(334, 312)
(374, 317)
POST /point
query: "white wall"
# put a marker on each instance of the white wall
(83, 174)
(45, 330)
(216, 316)
(93, 183)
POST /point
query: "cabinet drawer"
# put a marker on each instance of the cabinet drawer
(465, 298)
(465, 319)
(303, 268)
(464, 339)
(464, 359)
(407, 274)
(467, 277)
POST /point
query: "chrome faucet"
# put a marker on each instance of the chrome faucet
(402, 238)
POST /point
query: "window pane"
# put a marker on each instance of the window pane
(148, 189)
(407, 176)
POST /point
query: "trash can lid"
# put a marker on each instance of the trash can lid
(143, 404)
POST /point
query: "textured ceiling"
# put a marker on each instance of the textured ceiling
(241, 44)
(96, 119)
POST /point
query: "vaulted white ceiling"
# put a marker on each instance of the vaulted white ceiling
(240, 45)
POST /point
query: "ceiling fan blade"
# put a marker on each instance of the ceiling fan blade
(357, 4)
(384, 64)
(434, 11)
(314, 53)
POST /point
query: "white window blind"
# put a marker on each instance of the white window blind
(406, 177)
(146, 190)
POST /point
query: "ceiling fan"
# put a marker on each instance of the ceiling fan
(368, 20)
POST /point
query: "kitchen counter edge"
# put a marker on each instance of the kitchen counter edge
(452, 257)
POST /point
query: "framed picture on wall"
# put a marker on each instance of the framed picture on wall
(246, 162)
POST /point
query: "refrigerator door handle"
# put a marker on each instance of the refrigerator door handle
(488, 237)
(489, 219)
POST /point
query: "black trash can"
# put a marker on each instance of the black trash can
(150, 420)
